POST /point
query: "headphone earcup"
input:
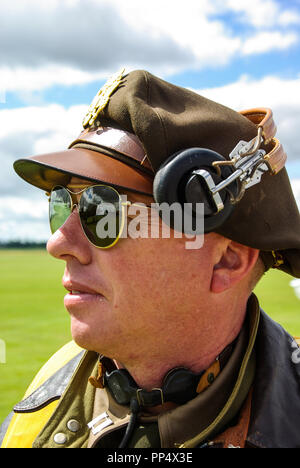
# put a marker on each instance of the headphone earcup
(175, 182)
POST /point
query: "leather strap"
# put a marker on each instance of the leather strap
(236, 436)
(277, 157)
(263, 118)
(125, 145)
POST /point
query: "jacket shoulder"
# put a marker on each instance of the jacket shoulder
(55, 363)
(275, 411)
(20, 429)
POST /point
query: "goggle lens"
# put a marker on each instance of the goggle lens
(60, 208)
(100, 213)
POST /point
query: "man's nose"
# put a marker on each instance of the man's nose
(70, 241)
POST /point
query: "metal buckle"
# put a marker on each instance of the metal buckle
(107, 422)
(161, 394)
(248, 161)
(140, 397)
(252, 146)
(212, 188)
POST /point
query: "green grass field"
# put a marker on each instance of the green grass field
(34, 323)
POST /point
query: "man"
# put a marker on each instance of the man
(179, 354)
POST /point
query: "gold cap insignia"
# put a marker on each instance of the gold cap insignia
(102, 97)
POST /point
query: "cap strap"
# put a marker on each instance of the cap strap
(276, 158)
(262, 117)
(122, 143)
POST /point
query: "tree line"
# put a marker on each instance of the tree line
(22, 245)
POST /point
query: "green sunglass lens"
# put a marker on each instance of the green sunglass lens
(100, 215)
(59, 208)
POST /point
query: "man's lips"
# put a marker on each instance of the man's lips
(76, 288)
(81, 297)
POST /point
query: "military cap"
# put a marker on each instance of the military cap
(138, 121)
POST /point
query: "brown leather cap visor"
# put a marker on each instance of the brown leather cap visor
(47, 170)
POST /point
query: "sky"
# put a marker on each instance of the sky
(56, 54)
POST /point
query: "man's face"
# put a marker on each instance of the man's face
(140, 296)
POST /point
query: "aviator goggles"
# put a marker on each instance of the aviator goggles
(101, 211)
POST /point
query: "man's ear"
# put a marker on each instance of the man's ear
(234, 265)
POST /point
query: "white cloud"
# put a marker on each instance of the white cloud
(77, 41)
(24, 219)
(281, 95)
(249, 92)
(211, 39)
(23, 79)
(25, 231)
(262, 14)
(190, 27)
(289, 18)
(33, 130)
(84, 35)
(25, 132)
(18, 207)
(266, 41)
(53, 123)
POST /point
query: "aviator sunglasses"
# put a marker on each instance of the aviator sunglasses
(101, 212)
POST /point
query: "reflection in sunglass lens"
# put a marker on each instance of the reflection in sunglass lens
(101, 215)
(59, 208)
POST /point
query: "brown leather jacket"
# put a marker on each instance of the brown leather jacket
(275, 414)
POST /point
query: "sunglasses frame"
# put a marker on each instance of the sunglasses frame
(74, 205)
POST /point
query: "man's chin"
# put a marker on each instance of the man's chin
(82, 335)
(90, 337)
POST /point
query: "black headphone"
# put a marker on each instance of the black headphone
(190, 176)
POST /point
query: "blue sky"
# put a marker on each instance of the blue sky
(243, 54)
